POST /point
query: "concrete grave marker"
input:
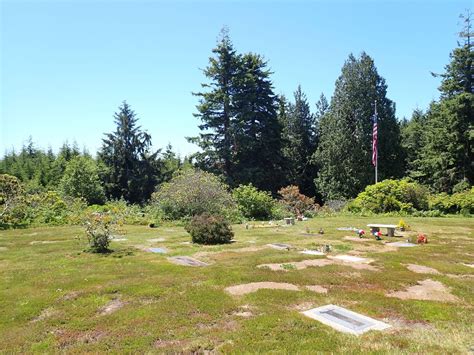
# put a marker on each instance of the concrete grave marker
(187, 261)
(352, 259)
(312, 252)
(158, 250)
(345, 320)
(156, 240)
(401, 244)
(280, 246)
(119, 239)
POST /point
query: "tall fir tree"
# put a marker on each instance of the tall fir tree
(447, 157)
(216, 111)
(344, 151)
(131, 169)
(257, 131)
(300, 141)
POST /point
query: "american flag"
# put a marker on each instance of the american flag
(374, 140)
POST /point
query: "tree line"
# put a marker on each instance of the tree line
(250, 135)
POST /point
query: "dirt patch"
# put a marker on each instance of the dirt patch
(420, 269)
(399, 323)
(357, 239)
(243, 314)
(45, 314)
(302, 306)
(67, 338)
(239, 290)
(71, 295)
(317, 288)
(45, 242)
(207, 254)
(111, 307)
(299, 265)
(156, 240)
(460, 276)
(428, 290)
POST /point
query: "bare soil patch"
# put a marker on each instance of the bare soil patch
(239, 290)
(299, 265)
(156, 240)
(111, 307)
(317, 288)
(45, 242)
(420, 269)
(45, 314)
(428, 290)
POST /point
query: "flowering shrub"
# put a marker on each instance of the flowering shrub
(297, 203)
(99, 229)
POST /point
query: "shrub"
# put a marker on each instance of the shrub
(12, 201)
(391, 196)
(297, 203)
(460, 202)
(99, 229)
(254, 204)
(209, 229)
(194, 192)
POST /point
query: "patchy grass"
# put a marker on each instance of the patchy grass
(55, 297)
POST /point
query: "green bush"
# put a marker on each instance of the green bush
(194, 192)
(99, 229)
(13, 206)
(391, 196)
(209, 229)
(460, 202)
(254, 204)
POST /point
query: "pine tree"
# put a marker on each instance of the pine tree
(216, 110)
(344, 151)
(130, 168)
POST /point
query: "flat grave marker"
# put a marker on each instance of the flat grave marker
(280, 246)
(401, 244)
(158, 250)
(345, 320)
(352, 259)
(187, 261)
(312, 252)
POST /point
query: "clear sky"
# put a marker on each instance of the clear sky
(67, 65)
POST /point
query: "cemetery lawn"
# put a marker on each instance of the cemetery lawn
(56, 297)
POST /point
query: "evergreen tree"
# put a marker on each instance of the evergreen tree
(81, 179)
(216, 111)
(299, 134)
(412, 141)
(344, 151)
(130, 168)
(257, 131)
(447, 158)
(171, 163)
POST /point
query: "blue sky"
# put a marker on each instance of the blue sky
(67, 65)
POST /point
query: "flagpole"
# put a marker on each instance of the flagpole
(377, 147)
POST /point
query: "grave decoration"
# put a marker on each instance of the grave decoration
(422, 238)
(321, 231)
(377, 235)
(360, 233)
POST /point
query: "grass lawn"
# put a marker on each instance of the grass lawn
(55, 297)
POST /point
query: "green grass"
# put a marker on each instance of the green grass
(51, 295)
